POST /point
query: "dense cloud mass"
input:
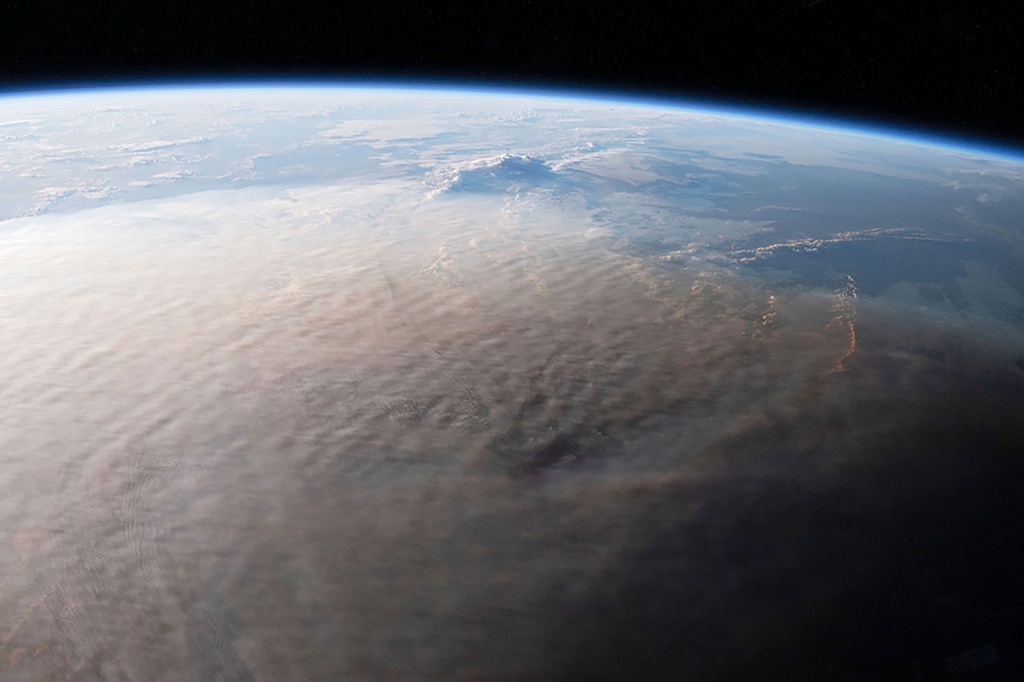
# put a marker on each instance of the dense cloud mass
(345, 388)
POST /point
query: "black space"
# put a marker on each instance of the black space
(945, 67)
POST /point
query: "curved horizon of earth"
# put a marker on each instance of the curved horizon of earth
(393, 383)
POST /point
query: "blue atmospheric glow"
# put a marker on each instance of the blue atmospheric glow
(561, 94)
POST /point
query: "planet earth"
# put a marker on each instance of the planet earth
(320, 382)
